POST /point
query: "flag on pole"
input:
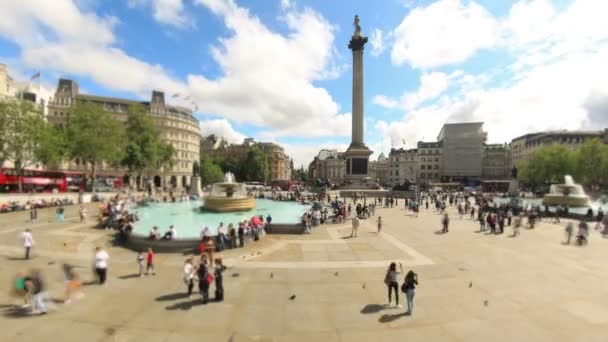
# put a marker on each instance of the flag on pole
(175, 95)
(36, 75)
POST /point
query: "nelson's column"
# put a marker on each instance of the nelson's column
(357, 154)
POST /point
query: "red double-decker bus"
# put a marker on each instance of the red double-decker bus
(41, 181)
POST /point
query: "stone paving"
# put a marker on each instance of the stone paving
(473, 286)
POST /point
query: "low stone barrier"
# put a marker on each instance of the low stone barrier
(278, 228)
(178, 245)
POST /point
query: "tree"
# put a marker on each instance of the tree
(255, 167)
(210, 171)
(53, 146)
(145, 151)
(591, 160)
(548, 165)
(25, 138)
(94, 136)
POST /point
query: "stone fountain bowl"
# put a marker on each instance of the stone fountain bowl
(222, 204)
(570, 200)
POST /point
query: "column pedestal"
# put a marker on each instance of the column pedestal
(195, 186)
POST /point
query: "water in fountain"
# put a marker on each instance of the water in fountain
(229, 177)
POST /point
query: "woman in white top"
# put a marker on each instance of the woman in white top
(189, 276)
(101, 264)
(391, 279)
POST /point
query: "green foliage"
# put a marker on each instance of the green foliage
(25, 137)
(299, 174)
(143, 148)
(94, 136)
(53, 145)
(592, 162)
(210, 171)
(588, 164)
(256, 165)
(253, 167)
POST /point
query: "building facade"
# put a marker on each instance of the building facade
(279, 163)
(463, 146)
(429, 161)
(497, 163)
(328, 165)
(402, 166)
(378, 170)
(177, 125)
(524, 146)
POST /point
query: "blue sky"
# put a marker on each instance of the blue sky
(281, 70)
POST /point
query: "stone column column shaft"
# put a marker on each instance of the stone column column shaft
(357, 120)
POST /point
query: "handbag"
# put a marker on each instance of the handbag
(210, 278)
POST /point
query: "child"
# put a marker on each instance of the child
(150, 262)
(140, 261)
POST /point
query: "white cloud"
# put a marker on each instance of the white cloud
(223, 128)
(267, 81)
(431, 86)
(385, 101)
(445, 32)
(541, 100)
(287, 4)
(377, 42)
(166, 12)
(303, 154)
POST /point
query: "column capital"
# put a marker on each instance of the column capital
(357, 43)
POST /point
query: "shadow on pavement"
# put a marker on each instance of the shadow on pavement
(17, 312)
(184, 305)
(389, 318)
(129, 276)
(172, 296)
(372, 308)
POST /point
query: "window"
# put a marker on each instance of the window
(423, 159)
(422, 167)
(436, 159)
(436, 167)
(423, 175)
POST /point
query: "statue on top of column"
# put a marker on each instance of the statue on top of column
(357, 26)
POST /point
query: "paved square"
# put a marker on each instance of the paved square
(473, 286)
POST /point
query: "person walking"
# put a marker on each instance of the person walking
(82, 212)
(33, 214)
(204, 279)
(355, 224)
(391, 279)
(101, 265)
(189, 276)
(569, 231)
(140, 263)
(150, 262)
(39, 305)
(445, 223)
(241, 233)
(28, 242)
(219, 279)
(60, 214)
(379, 224)
(409, 287)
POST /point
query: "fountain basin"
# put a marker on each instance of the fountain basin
(567, 194)
(570, 200)
(228, 204)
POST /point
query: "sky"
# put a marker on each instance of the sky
(280, 70)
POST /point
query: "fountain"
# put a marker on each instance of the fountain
(567, 194)
(228, 196)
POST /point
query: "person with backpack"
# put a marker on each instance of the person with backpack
(409, 287)
(392, 282)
